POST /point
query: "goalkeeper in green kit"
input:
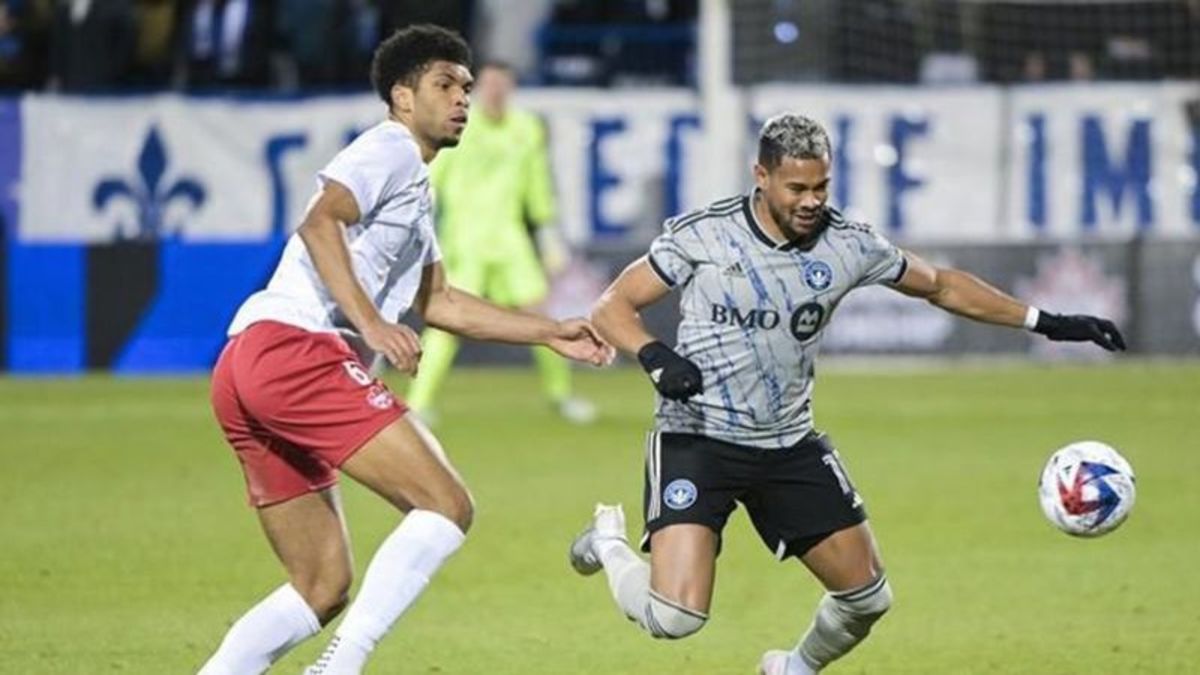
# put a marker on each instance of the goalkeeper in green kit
(489, 190)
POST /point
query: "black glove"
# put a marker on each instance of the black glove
(1080, 328)
(673, 376)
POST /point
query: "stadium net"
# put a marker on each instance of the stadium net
(963, 41)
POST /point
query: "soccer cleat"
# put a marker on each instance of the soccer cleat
(322, 664)
(608, 523)
(773, 662)
(576, 410)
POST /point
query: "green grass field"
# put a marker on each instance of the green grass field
(127, 546)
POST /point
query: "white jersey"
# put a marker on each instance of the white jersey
(389, 246)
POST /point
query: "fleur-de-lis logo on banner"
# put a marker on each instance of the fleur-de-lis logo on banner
(149, 196)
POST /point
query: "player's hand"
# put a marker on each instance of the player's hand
(673, 376)
(1080, 328)
(576, 339)
(397, 342)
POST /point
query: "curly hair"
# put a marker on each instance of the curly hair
(406, 55)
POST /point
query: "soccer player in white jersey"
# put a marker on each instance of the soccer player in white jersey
(760, 276)
(297, 403)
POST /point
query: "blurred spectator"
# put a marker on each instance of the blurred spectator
(453, 14)
(1033, 67)
(87, 45)
(619, 42)
(876, 42)
(507, 31)
(949, 68)
(1080, 67)
(225, 43)
(24, 31)
(91, 44)
(625, 11)
(153, 53)
(329, 42)
(946, 60)
(1110, 40)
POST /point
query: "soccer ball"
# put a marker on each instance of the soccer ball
(1087, 489)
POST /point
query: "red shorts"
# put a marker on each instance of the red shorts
(294, 405)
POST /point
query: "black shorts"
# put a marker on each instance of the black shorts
(795, 496)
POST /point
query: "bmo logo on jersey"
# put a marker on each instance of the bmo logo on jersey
(806, 320)
(755, 318)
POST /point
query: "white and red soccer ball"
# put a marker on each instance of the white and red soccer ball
(1087, 489)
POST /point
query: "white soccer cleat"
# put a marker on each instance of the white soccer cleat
(318, 668)
(775, 662)
(576, 410)
(608, 522)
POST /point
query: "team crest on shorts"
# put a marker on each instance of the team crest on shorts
(818, 275)
(379, 397)
(680, 494)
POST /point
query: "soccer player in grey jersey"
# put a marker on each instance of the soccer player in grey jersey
(754, 312)
(761, 275)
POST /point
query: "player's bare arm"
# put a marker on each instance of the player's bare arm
(453, 310)
(616, 316)
(960, 293)
(323, 233)
(969, 296)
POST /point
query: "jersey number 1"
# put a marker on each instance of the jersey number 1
(834, 462)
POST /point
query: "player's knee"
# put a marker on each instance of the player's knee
(884, 603)
(864, 606)
(463, 509)
(874, 600)
(671, 621)
(332, 605)
(327, 593)
(456, 504)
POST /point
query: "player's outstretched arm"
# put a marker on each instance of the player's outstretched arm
(967, 295)
(453, 310)
(616, 316)
(323, 234)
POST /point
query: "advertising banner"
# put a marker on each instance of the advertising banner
(134, 226)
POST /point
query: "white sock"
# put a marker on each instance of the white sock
(797, 666)
(628, 576)
(272, 627)
(397, 574)
(843, 619)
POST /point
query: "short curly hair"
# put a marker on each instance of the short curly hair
(791, 135)
(406, 55)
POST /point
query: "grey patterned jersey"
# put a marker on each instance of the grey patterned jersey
(753, 313)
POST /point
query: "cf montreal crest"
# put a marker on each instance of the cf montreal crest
(680, 494)
(818, 275)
